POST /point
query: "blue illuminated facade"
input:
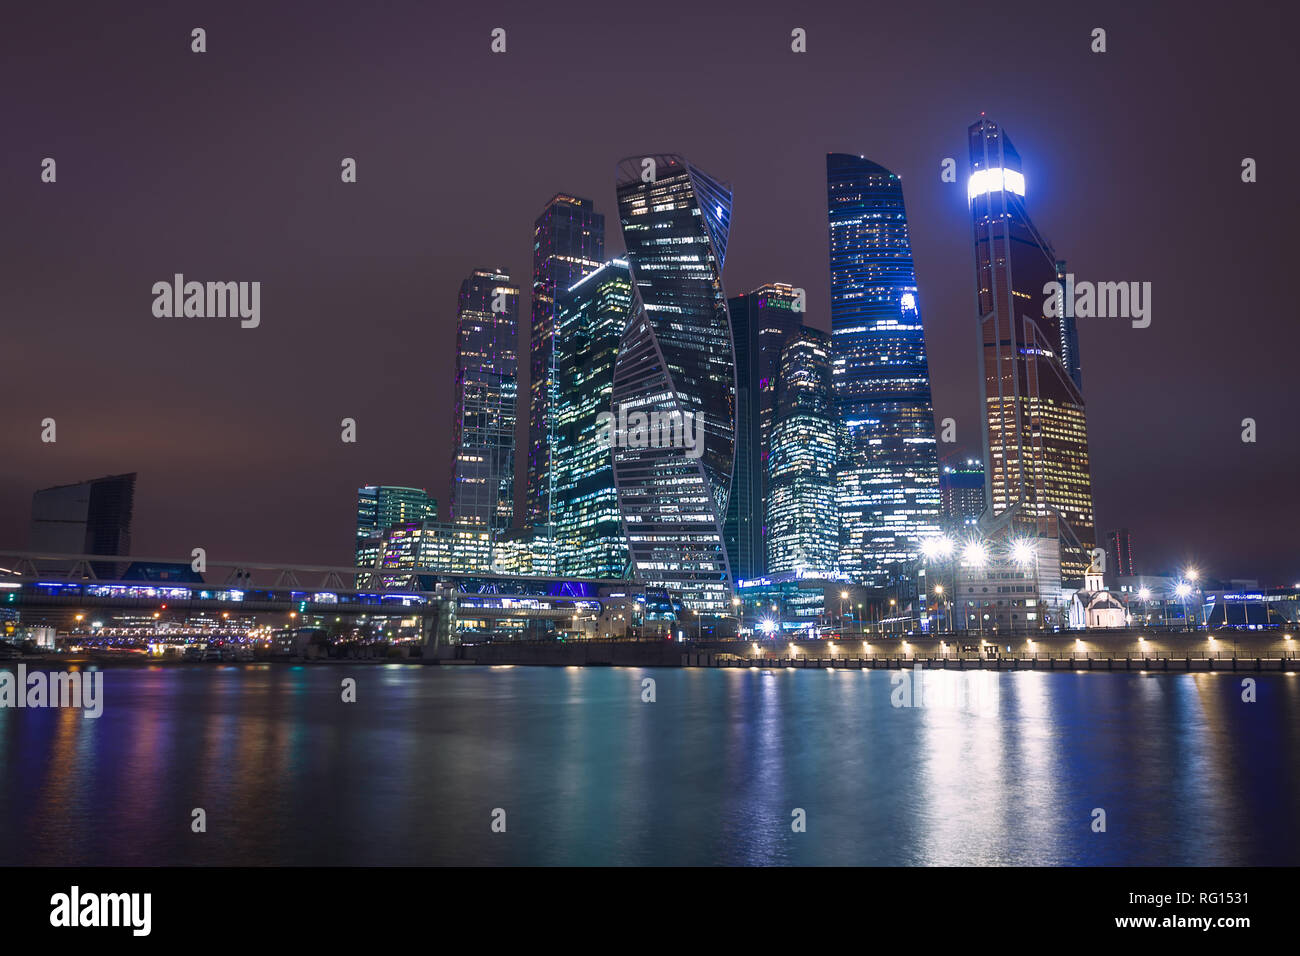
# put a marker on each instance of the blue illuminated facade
(888, 479)
(483, 476)
(802, 516)
(590, 318)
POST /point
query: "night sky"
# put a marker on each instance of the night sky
(225, 166)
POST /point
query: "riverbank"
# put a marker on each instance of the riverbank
(1123, 650)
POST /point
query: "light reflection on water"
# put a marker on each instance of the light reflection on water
(709, 773)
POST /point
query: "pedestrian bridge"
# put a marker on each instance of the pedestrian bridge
(59, 587)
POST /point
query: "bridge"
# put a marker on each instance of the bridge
(69, 590)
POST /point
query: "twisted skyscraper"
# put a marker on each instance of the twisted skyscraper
(676, 364)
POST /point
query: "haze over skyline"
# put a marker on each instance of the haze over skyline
(224, 166)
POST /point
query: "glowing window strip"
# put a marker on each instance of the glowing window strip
(992, 180)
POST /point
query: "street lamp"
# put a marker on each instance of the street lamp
(938, 589)
(1193, 575)
(1022, 552)
(1182, 590)
(975, 554)
(940, 549)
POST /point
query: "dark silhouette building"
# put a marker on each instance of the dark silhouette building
(762, 323)
(91, 517)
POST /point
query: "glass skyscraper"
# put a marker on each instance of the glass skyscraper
(1034, 426)
(568, 243)
(762, 322)
(676, 364)
(590, 318)
(888, 480)
(379, 507)
(482, 487)
(961, 492)
(802, 514)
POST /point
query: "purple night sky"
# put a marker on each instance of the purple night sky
(225, 166)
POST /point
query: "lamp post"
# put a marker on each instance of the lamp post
(940, 550)
(975, 555)
(938, 589)
(1022, 552)
(1182, 590)
(1192, 575)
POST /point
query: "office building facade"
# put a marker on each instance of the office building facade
(802, 515)
(676, 364)
(590, 319)
(89, 517)
(381, 506)
(762, 323)
(482, 486)
(888, 483)
(961, 493)
(1035, 428)
(568, 243)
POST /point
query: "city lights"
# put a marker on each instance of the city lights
(937, 547)
(995, 180)
(975, 554)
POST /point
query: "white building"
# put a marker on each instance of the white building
(1094, 606)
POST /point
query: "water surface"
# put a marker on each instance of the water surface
(587, 773)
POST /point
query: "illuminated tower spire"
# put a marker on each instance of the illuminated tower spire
(1035, 428)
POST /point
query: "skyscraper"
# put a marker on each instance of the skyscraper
(762, 322)
(90, 517)
(961, 492)
(590, 318)
(1034, 426)
(381, 506)
(568, 243)
(676, 364)
(888, 485)
(482, 487)
(802, 516)
(1119, 549)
